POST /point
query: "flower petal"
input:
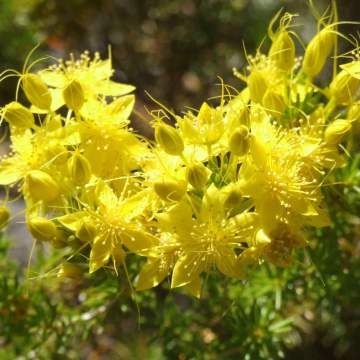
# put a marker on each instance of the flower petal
(153, 273)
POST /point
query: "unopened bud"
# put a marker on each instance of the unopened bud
(211, 124)
(354, 112)
(4, 216)
(336, 131)
(169, 139)
(73, 95)
(86, 232)
(197, 175)
(170, 190)
(36, 91)
(41, 186)
(244, 116)
(42, 229)
(60, 240)
(273, 103)
(18, 115)
(257, 86)
(282, 51)
(70, 270)
(318, 51)
(79, 169)
(239, 141)
(344, 87)
(74, 242)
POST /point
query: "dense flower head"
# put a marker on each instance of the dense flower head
(222, 188)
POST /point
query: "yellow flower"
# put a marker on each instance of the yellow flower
(227, 187)
(160, 261)
(206, 128)
(93, 75)
(116, 226)
(207, 241)
(112, 150)
(277, 179)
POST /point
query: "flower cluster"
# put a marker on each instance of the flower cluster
(221, 188)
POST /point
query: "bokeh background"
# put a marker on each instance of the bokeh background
(175, 50)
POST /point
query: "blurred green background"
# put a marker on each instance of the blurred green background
(175, 50)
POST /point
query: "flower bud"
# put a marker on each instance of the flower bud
(169, 139)
(336, 131)
(42, 229)
(239, 141)
(79, 169)
(282, 51)
(197, 175)
(36, 91)
(233, 198)
(170, 190)
(86, 232)
(354, 112)
(73, 95)
(74, 242)
(4, 216)
(273, 103)
(344, 87)
(244, 116)
(41, 186)
(318, 51)
(257, 86)
(211, 124)
(60, 240)
(70, 270)
(18, 115)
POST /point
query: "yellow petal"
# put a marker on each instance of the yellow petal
(153, 273)
(186, 270)
(212, 205)
(101, 70)
(226, 261)
(137, 241)
(178, 219)
(111, 88)
(107, 197)
(352, 68)
(120, 109)
(321, 220)
(258, 151)
(134, 206)
(53, 78)
(194, 287)
(100, 253)
(9, 173)
(72, 221)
